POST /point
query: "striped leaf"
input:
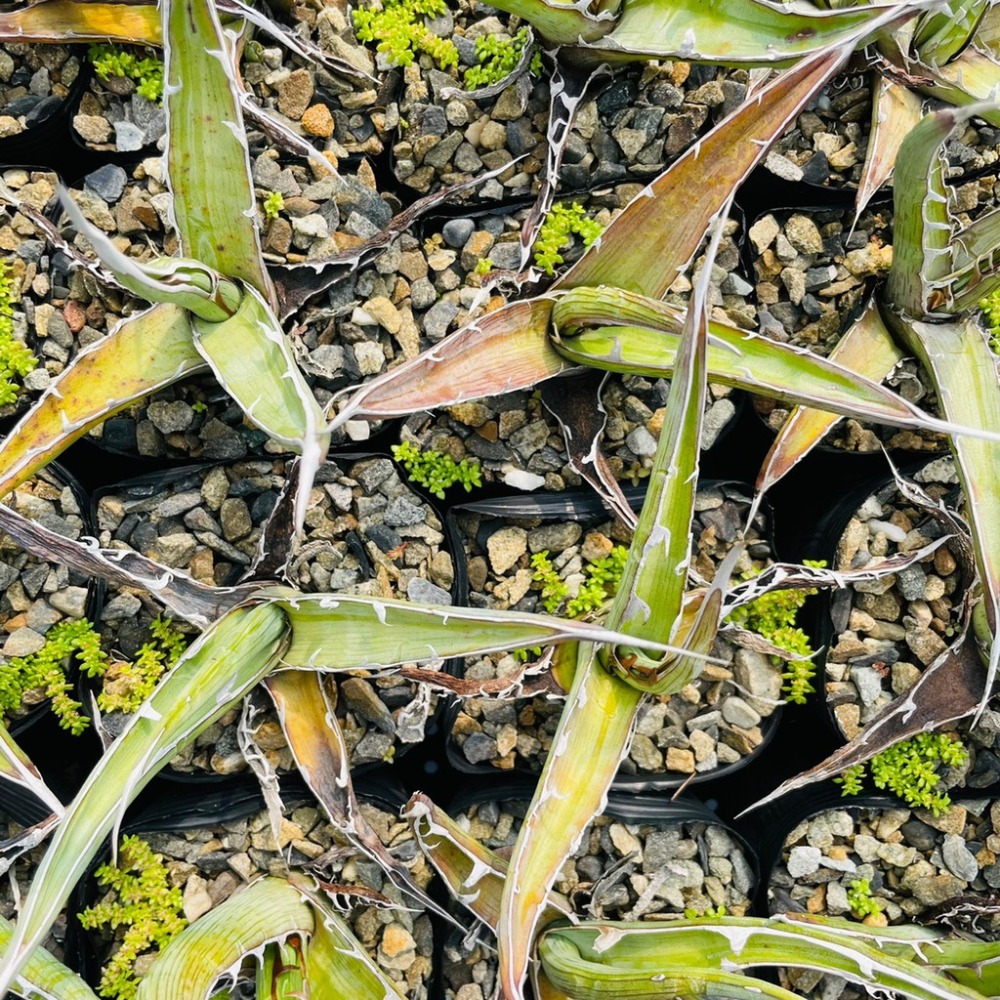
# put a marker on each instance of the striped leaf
(969, 78)
(976, 255)
(141, 354)
(209, 678)
(867, 349)
(44, 977)
(82, 21)
(942, 33)
(265, 911)
(283, 972)
(208, 163)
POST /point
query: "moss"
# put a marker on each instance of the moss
(497, 58)
(773, 616)
(128, 685)
(861, 901)
(557, 231)
(16, 360)
(399, 27)
(273, 204)
(434, 470)
(144, 903)
(601, 579)
(115, 61)
(45, 671)
(909, 769)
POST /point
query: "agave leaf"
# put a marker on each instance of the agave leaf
(503, 351)
(338, 965)
(895, 111)
(561, 23)
(734, 32)
(600, 715)
(16, 766)
(252, 359)
(867, 349)
(188, 284)
(209, 678)
(942, 33)
(601, 710)
(266, 910)
(969, 78)
(44, 976)
(736, 357)
(922, 225)
(183, 596)
(976, 254)
(347, 632)
(317, 744)
(207, 157)
(82, 21)
(602, 959)
(963, 370)
(652, 231)
(142, 354)
(283, 972)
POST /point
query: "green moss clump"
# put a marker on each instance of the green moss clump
(909, 769)
(16, 360)
(497, 57)
(128, 685)
(601, 579)
(274, 202)
(434, 470)
(860, 899)
(144, 903)
(45, 671)
(399, 27)
(115, 61)
(773, 616)
(557, 231)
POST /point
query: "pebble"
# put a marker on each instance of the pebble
(958, 859)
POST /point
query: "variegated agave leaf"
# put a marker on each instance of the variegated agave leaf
(174, 589)
(867, 349)
(621, 331)
(942, 33)
(141, 354)
(81, 21)
(207, 157)
(266, 911)
(317, 744)
(969, 78)
(283, 972)
(895, 111)
(685, 958)
(251, 357)
(209, 678)
(601, 709)
(346, 632)
(44, 977)
(188, 284)
(976, 250)
(740, 33)
(562, 23)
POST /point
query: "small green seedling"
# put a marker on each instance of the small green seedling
(399, 27)
(601, 579)
(144, 903)
(861, 901)
(115, 61)
(435, 471)
(45, 672)
(773, 616)
(909, 769)
(274, 202)
(497, 58)
(557, 231)
(16, 360)
(128, 685)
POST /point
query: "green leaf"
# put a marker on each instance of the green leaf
(561, 23)
(142, 354)
(44, 977)
(943, 32)
(734, 32)
(253, 361)
(208, 162)
(867, 349)
(969, 78)
(976, 256)
(209, 678)
(266, 910)
(81, 21)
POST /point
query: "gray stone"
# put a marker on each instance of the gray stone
(235, 519)
(374, 746)
(554, 537)
(128, 137)
(362, 700)
(120, 607)
(23, 642)
(804, 861)
(175, 550)
(641, 442)
(958, 859)
(403, 512)
(479, 748)
(108, 182)
(456, 232)
(170, 417)
(738, 713)
(71, 601)
(179, 503)
(438, 318)
(868, 681)
(424, 592)
(505, 547)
